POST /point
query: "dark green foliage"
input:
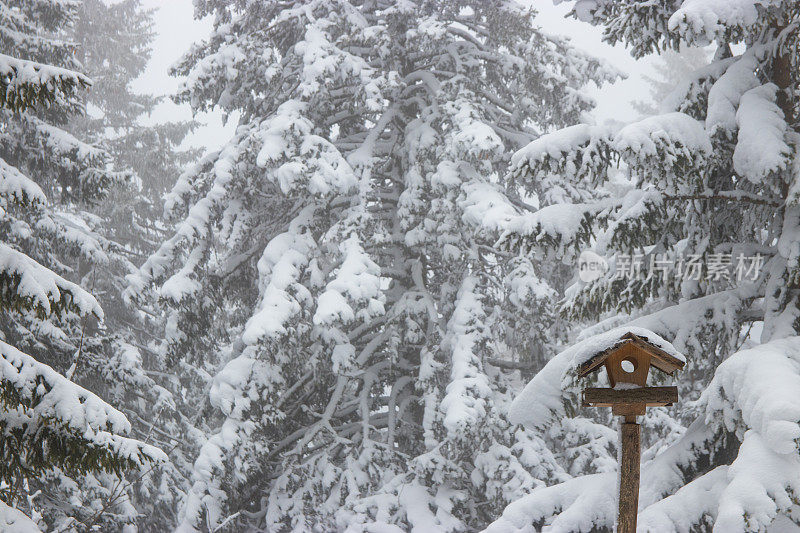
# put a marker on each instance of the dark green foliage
(25, 84)
(59, 444)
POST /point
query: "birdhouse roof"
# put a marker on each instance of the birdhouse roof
(663, 355)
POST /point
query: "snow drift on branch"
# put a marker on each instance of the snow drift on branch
(47, 395)
(43, 288)
(761, 148)
(701, 22)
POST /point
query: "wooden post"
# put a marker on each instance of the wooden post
(629, 397)
(629, 475)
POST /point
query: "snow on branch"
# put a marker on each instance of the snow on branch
(665, 146)
(559, 226)
(759, 389)
(85, 170)
(761, 148)
(673, 141)
(357, 279)
(224, 64)
(54, 396)
(567, 227)
(280, 268)
(354, 293)
(465, 400)
(581, 504)
(62, 143)
(43, 404)
(30, 285)
(188, 185)
(725, 94)
(687, 93)
(703, 22)
(574, 152)
(191, 232)
(485, 206)
(17, 187)
(690, 505)
(325, 63)
(471, 137)
(15, 521)
(633, 216)
(198, 220)
(297, 158)
(761, 485)
(205, 498)
(25, 84)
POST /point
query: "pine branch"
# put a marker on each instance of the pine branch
(90, 521)
(728, 196)
(510, 365)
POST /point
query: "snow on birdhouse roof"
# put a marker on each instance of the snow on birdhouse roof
(666, 361)
(585, 350)
(543, 396)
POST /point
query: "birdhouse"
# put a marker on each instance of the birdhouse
(627, 362)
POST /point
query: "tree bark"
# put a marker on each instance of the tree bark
(782, 77)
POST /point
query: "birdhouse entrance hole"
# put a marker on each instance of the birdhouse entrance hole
(628, 365)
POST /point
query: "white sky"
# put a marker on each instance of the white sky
(613, 101)
(177, 29)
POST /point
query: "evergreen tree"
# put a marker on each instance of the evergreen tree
(712, 183)
(113, 44)
(334, 299)
(672, 66)
(59, 441)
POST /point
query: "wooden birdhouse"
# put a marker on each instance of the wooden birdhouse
(627, 363)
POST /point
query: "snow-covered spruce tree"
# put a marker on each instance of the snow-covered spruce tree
(671, 67)
(712, 181)
(57, 439)
(332, 292)
(113, 45)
